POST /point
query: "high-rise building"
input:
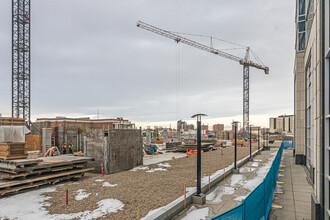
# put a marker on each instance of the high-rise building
(312, 94)
(282, 124)
(218, 127)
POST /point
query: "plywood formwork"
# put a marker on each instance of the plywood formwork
(33, 142)
(10, 151)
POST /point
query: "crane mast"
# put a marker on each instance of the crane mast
(21, 60)
(245, 62)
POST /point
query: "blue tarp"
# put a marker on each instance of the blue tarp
(258, 203)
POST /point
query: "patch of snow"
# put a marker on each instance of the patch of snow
(107, 184)
(164, 165)
(150, 213)
(257, 160)
(99, 180)
(34, 203)
(197, 214)
(156, 169)
(236, 179)
(246, 169)
(139, 168)
(253, 164)
(96, 194)
(81, 194)
(162, 157)
(240, 198)
(215, 197)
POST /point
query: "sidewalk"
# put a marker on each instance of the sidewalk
(296, 197)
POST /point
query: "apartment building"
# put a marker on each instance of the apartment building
(312, 93)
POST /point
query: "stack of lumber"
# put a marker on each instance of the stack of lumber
(18, 175)
(9, 151)
(12, 121)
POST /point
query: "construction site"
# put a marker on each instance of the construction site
(63, 162)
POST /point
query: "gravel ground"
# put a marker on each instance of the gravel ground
(149, 190)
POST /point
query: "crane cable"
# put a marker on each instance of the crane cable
(178, 97)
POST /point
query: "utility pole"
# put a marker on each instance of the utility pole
(21, 24)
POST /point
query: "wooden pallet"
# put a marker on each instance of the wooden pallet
(31, 165)
(15, 186)
(6, 176)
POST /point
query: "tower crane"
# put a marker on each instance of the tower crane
(245, 62)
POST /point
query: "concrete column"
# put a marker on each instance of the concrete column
(85, 146)
(165, 136)
(106, 155)
(148, 137)
(46, 139)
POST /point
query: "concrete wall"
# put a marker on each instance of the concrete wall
(125, 150)
(300, 108)
(117, 150)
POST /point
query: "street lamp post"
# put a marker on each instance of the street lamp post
(258, 139)
(250, 142)
(199, 149)
(235, 151)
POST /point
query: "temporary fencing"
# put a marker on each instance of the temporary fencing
(258, 203)
(287, 144)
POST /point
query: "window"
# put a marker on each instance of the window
(301, 25)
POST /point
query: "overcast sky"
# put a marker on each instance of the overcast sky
(89, 55)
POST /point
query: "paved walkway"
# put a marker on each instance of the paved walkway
(296, 197)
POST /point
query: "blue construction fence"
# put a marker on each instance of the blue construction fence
(287, 144)
(258, 203)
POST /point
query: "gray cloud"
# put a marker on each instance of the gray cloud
(90, 54)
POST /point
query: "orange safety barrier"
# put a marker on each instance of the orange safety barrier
(192, 152)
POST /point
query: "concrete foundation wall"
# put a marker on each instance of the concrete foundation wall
(123, 149)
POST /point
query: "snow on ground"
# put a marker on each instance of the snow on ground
(253, 164)
(156, 169)
(240, 181)
(246, 169)
(31, 206)
(190, 191)
(139, 168)
(164, 165)
(215, 197)
(236, 179)
(152, 159)
(81, 194)
(197, 214)
(107, 184)
(99, 180)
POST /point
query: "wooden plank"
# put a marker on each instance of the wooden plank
(46, 177)
(6, 176)
(14, 157)
(34, 185)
